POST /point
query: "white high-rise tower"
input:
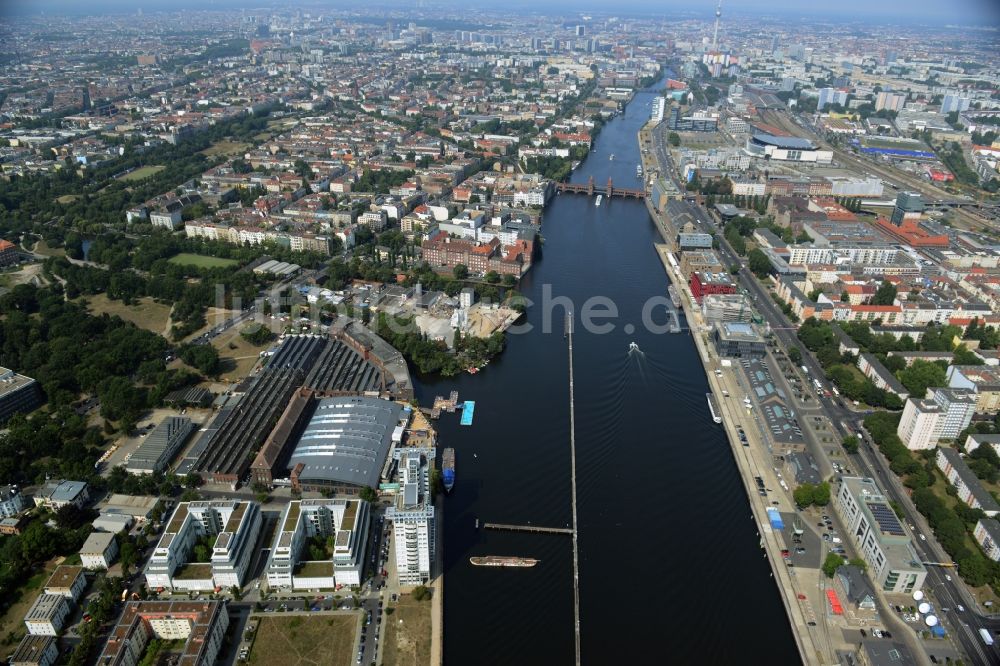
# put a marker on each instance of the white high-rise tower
(715, 34)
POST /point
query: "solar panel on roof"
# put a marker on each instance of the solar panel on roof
(886, 519)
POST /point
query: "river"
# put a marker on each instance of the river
(670, 566)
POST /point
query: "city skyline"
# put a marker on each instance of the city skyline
(962, 12)
(306, 306)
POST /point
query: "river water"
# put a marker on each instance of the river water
(670, 565)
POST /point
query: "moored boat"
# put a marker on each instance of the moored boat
(448, 469)
(499, 561)
(713, 407)
(674, 296)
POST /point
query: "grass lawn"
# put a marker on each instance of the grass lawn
(142, 172)
(145, 314)
(407, 633)
(41, 247)
(67, 198)
(305, 640)
(225, 148)
(237, 356)
(13, 620)
(201, 261)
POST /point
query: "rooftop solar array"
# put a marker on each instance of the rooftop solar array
(886, 519)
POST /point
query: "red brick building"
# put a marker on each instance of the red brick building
(703, 283)
(442, 251)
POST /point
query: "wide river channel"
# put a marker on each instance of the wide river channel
(671, 571)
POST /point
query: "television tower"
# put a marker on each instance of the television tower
(715, 34)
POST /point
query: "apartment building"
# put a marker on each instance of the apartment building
(199, 625)
(237, 235)
(975, 440)
(957, 409)
(376, 220)
(918, 426)
(987, 535)
(880, 375)
(983, 379)
(969, 489)
(99, 550)
(230, 527)
(413, 521)
(57, 494)
(67, 581)
(810, 254)
(35, 651)
(11, 501)
(47, 616)
(291, 565)
(892, 562)
(890, 101)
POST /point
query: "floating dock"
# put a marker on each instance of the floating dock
(468, 410)
(528, 528)
(444, 404)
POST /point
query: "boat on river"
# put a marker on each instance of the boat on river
(714, 408)
(499, 561)
(600, 198)
(674, 296)
(448, 469)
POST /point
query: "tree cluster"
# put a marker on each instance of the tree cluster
(812, 494)
(380, 181)
(21, 554)
(69, 352)
(819, 338)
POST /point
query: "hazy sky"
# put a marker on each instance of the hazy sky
(985, 13)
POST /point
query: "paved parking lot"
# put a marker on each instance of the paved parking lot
(809, 541)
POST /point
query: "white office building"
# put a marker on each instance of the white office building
(230, 526)
(412, 519)
(292, 564)
(892, 562)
